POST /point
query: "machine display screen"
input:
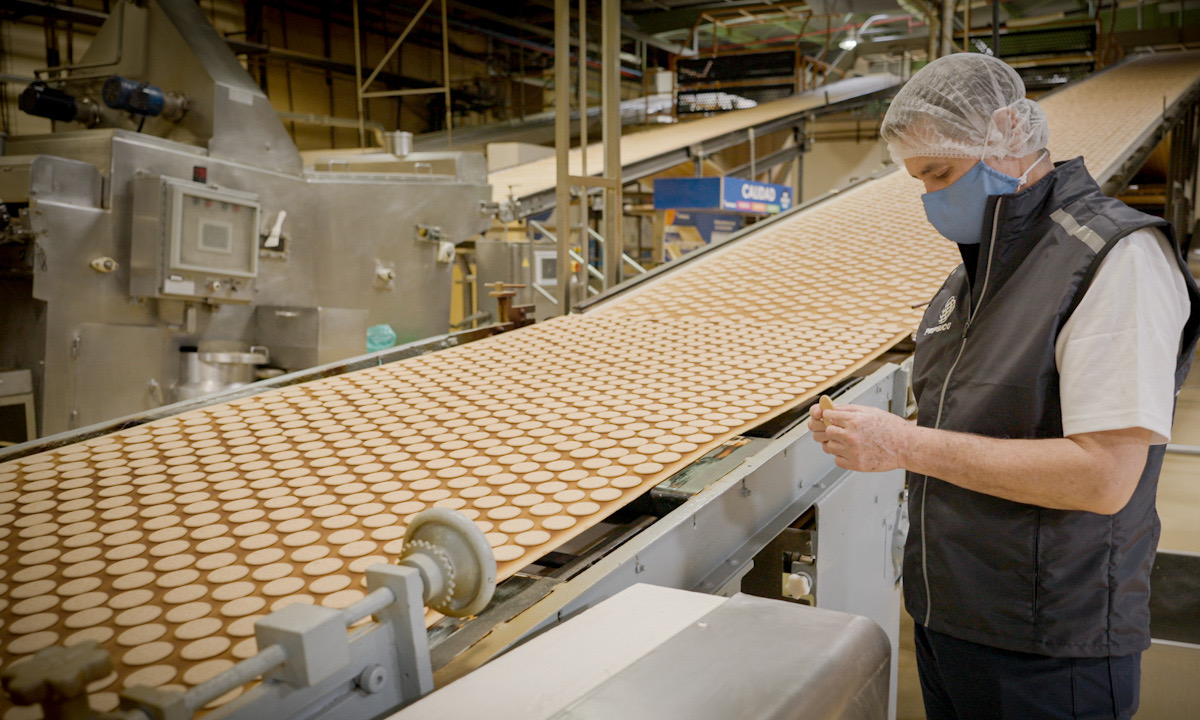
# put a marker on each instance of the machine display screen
(546, 265)
(213, 234)
(216, 237)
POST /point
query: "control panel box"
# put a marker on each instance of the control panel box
(192, 241)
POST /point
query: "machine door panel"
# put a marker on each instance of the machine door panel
(118, 370)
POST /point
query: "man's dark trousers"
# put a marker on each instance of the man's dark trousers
(963, 680)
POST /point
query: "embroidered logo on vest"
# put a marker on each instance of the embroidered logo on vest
(943, 316)
(946, 310)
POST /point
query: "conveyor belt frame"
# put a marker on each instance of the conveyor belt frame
(708, 543)
(544, 200)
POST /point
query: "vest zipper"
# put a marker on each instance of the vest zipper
(987, 271)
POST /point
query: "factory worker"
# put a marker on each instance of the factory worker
(1046, 369)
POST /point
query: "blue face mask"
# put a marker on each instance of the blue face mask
(957, 211)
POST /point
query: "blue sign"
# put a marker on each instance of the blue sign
(755, 197)
(709, 225)
(721, 193)
(688, 193)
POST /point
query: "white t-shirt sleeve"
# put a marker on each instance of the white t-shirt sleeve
(1116, 354)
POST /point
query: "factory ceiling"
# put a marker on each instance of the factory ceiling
(661, 27)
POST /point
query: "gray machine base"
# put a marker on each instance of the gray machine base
(654, 652)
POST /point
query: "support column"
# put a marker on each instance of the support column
(358, 92)
(446, 80)
(562, 147)
(800, 138)
(610, 76)
(947, 27)
(996, 28)
(585, 199)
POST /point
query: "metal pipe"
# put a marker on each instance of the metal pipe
(562, 143)
(120, 51)
(856, 32)
(374, 126)
(405, 92)
(246, 671)
(371, 604)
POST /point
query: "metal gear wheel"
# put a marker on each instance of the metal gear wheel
(445, 599)
(454, 544)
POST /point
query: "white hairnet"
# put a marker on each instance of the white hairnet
(964, 105)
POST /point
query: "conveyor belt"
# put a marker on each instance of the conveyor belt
(650, 151)
(166, 541)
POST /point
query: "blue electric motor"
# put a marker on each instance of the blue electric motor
(141, 98)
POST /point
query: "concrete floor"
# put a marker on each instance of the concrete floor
(1178, 509)
(908, 693)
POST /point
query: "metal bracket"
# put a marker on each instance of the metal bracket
(430, 233)
(385, 275)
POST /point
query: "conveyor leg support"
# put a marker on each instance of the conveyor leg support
(406, 617)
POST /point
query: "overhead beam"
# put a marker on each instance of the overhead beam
(671, 47)
(16, 9)
(520, 25)
(241, 47)
(632, 34)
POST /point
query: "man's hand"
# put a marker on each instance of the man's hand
(861, 438)
(1096, 472)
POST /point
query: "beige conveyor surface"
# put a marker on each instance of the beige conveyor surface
(166, 541)
(538, 176)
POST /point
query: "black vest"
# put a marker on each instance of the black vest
(1002, 573)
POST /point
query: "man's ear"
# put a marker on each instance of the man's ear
(1004, 123)
(1005, 119)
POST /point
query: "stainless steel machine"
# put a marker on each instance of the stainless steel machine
(654, 652)
(170, 208)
